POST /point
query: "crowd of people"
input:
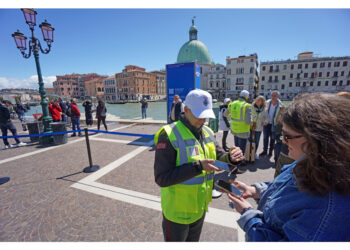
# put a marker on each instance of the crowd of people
(309, 198)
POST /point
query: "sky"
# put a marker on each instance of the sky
(104, 40)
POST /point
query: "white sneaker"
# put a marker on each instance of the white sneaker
(8, 146)
(20, 144)
(257, 157)
(216, 194)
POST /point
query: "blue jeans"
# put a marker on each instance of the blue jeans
(268, 134)
(257, 139)
(8, 126)
(143, 111)
(20, 116)
(76, 123)
(63, 118)
(241, 143)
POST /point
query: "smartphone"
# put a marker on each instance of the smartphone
(228, 187)
(222, 165)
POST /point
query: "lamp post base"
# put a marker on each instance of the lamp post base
(46, 140)
(91, 169)
(3, 180)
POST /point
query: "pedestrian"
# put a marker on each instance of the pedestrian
(310, 199)
(55, 110)
(6, 124)
(20, 110)
(224, 123)
(75, 116)
(177, 108)
(144, 106)
(64, 109)
(101, 113)
(259, 120)
(185, 151)
(273, 108)
(88, 112)
(240, 113)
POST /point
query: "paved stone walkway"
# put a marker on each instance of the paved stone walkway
(49, 198)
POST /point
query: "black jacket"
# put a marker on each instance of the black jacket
(165, 171)
(4, 114)
(177, 111)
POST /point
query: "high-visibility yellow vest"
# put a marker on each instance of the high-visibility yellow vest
(238, 111)
(185, 203)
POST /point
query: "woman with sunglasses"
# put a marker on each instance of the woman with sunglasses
(310, 199)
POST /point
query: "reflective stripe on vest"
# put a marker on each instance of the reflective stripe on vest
(241, 118)
(198, 180)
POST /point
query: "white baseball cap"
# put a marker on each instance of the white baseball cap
(200, 103)
(226, 100)
(244, 93)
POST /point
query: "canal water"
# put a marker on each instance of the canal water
(156, 110)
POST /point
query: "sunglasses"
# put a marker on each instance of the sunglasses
(289, 137)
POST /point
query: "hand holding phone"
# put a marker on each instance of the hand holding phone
(228, 188)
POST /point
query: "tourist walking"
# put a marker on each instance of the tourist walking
(20, 110)
(101, 113)
(310, 199)
(177, 108)
(224, 123)
(88, 112)
(75, 116)
(144, 106)
(259, 120)
(64, 110)
(240, 113)
(55, 110)
(184, 172)
(6, 124)
(273, 108)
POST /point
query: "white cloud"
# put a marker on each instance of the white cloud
(31, 82)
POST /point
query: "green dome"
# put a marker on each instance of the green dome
(194, 51)
(193, 28)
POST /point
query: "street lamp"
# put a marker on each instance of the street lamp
(35, 46)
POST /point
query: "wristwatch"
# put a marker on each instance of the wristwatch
(246, 209)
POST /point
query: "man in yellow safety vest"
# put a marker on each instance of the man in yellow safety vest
(185, 151)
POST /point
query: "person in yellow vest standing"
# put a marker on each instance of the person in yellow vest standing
(240, 113)
(185, 152)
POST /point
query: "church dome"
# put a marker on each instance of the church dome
(193, 50)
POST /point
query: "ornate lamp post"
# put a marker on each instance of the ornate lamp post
(35, 46)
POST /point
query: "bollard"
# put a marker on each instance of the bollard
(91, 168)
(3, 180)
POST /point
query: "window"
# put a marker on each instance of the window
(328, 73)
(270, 78)
(292, 66)
(223, 84)
(217, 84)
(314, 65)
(239, 71)
(298, 75)
(326, 83)
(282, 86)
(306, 65)
(271, 68)
(297, 84)
(322, 65)
(251, 80)
(228, 62)
(283, 77)
(329, 64)
(276, 78)
(300, 66)
(284, 67)
(341, 83)
(251, 70)
(305, 75)
(290, 84)
(342, 73)
(229, 71)
(263, 68)
(335, 73)
(312, 75)
(304, 84)
(345, 63)
(348, 83)
(211, 84)
(336, 64)
(277, 68)
(311, 84)
(320, 74)
(252, 60)
(334, 83)
(291, 76)
(262, 86)
(319, 83)
(263, 78)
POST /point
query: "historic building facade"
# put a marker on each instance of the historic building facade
(95, 88)
(306, 74)
(134, 83)
(161, 87)
(110, 89)
(242, 74)
(217, 82)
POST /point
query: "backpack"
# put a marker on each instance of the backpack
(69, 111)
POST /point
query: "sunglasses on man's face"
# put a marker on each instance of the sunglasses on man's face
(287, 137)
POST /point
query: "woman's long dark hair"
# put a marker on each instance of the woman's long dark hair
(324, 120)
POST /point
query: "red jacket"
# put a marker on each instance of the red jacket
(55, 111)
(75, 110)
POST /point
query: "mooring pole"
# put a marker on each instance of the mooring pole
(91, 168)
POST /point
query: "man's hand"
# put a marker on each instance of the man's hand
(236, 154)
(239, 204)
(207, 166)
(248, 191)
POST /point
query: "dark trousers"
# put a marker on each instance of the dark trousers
(224, 137)
(76, 124)
(268, 134)
(143, 112)
(241, 143)
(103, 119)
(182, 232)
(12, 128)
